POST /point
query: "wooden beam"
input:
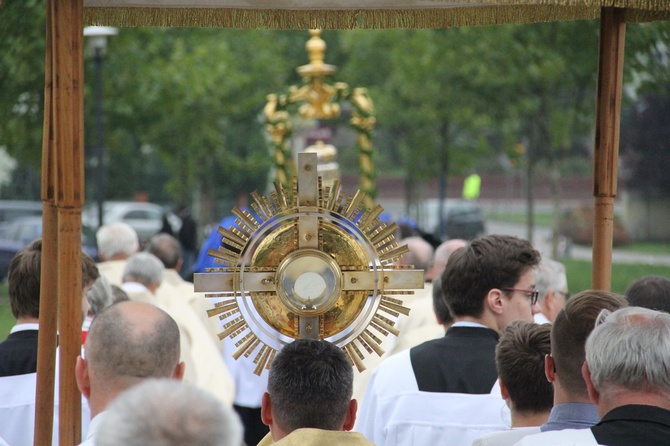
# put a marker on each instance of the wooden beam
(608, 111)
(47, 334)
(63, 196)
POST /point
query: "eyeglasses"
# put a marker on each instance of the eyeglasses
(533, 295)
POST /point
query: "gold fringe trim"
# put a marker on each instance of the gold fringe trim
(543, 11)
(650, 5)
(335, 19)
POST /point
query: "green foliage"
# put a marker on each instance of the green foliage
(182, 105)
(22, 55)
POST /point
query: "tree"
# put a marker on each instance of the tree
(22, 55)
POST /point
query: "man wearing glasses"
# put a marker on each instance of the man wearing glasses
(552, 283)
(487, 285)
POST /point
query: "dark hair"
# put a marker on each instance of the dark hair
(520, 362)
(651, 292)
(167, 248)
(439, 304)
(570, 330)
(24, 278)
(310, 386)
(492, 261)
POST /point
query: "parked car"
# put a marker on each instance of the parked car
(21, 231)
(462, 219)
(13, 209)
(145, 218)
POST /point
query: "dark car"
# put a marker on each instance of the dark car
(21, 231)
(461, 219)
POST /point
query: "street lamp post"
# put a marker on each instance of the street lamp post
(97, 37)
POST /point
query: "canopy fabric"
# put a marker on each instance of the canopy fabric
(350, 14)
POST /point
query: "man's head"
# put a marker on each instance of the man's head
(310, 386)
(144, 268)
(169, 413)
(520, 362)
(116, 241)
(491, 280)
(127, 343)
(628, 358)
(167, 249)
(651, 292)
(552, 283)
(420, 252)
(23, 279)
(440, 307)
(568, 336)
(441, 256)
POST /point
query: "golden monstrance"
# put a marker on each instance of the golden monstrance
(310, 264)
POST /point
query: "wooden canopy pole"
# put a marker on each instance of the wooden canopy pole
(608, 111)
(47, 334)
(62, 194)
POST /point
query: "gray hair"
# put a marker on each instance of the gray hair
(168, 412)
(310, 386)
(100, 296)
(115, 239)
(131, 341)
(630, 348)
(550, 276)
(144, 268)
(420, 252)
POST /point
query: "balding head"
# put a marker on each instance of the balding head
(420, 253)
(442, 254)
(167, 249)
(130, 341)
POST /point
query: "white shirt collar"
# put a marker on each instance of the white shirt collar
(24, 327)
(134, 287)
(468, 324)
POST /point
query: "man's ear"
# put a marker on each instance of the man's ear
(179, 371)
(503, 390)
(350, 418)
(266, 409)
(549, 368)
(82, 377)
(594, 396)
(494, 301)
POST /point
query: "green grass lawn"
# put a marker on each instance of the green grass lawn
(579, 274)
(6, 319)
(541, 218)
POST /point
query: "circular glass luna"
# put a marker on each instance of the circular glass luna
(309, 282)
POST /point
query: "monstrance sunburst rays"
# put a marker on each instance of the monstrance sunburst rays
(311, 266)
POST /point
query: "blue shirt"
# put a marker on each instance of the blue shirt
(213, 242)
(571, 416)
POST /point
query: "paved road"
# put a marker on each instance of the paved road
(542, 242)
(542, 234)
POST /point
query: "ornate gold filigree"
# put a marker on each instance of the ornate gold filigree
(315, 265)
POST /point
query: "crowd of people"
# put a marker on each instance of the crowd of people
(495, 352)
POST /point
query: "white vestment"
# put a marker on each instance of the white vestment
(394, 412)
(565, 437)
